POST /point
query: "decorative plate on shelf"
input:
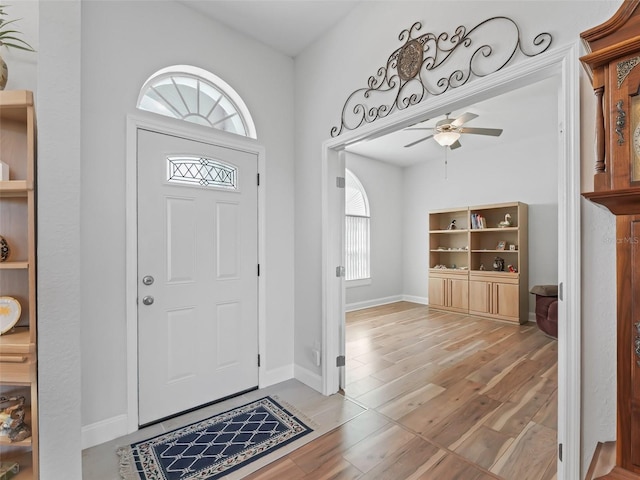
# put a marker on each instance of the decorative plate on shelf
(9, 313)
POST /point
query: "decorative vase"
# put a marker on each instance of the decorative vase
(4, 249)
(4, 73)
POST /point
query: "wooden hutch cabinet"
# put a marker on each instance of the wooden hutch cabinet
(613, 63)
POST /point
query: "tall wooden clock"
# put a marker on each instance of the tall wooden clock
(613, 63)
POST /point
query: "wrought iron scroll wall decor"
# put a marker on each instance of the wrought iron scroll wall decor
(430, 65)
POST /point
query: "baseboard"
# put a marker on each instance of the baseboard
(104, 431)
(276, 375)
(308, 377)
(532, 317)
(415, 299)
(376, 302)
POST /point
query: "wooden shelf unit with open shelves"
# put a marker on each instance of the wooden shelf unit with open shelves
(461, 273)
(18, 346)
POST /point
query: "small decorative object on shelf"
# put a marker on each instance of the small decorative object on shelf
(506, 222)
(8, 470)
(512, 269)
(12, 419)
(452, 225)
(4, 171)
(513, 248)
(481, 267)
(501, 245)
(498, 264)
(4, 249)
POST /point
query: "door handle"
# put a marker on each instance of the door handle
(148, 300)
(489, 300)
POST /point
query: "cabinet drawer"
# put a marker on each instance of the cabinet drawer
(17, 368)
(496, 277)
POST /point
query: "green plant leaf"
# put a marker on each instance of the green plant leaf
(19, 47)
(7, 32)
(5, 23)
(10, 37)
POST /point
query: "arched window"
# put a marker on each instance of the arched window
(357, 244)
(195, 95)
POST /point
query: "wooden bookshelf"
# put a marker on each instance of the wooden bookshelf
(463, 244)
(18, 349)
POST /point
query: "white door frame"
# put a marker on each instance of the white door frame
(179, 128)
(561, 63)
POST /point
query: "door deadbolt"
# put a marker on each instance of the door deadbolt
(148, 300)
(147, 280)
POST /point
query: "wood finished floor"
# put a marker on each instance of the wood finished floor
(449, 397)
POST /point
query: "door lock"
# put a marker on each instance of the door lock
(148, 300)
(147, 280)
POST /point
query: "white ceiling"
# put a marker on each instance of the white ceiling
(517, 113)
(288, 26)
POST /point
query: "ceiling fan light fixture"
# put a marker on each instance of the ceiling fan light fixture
(446, 139)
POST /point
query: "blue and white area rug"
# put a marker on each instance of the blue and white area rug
(213, 447)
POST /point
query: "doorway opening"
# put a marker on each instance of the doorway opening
(561, 64)
(424, 366)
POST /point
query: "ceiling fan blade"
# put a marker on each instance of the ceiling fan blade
(495, 132)
(420, 128)
(464, 118)
(418, 141)
(455, 145)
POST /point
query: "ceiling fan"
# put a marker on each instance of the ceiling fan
(447, 131)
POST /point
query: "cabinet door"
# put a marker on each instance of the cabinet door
(506, 300)
(437, 297)
(479, 297)
(459, 294)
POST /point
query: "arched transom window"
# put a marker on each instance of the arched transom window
(357, 241)
(197, 96)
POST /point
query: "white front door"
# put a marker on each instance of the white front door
(197, 273)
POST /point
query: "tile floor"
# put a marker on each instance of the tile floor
(321, 413)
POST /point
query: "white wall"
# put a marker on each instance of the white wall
(599, 328)
(383, 184)
(59, 240)
(123, 43)
(521, 165)
(331, 66)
